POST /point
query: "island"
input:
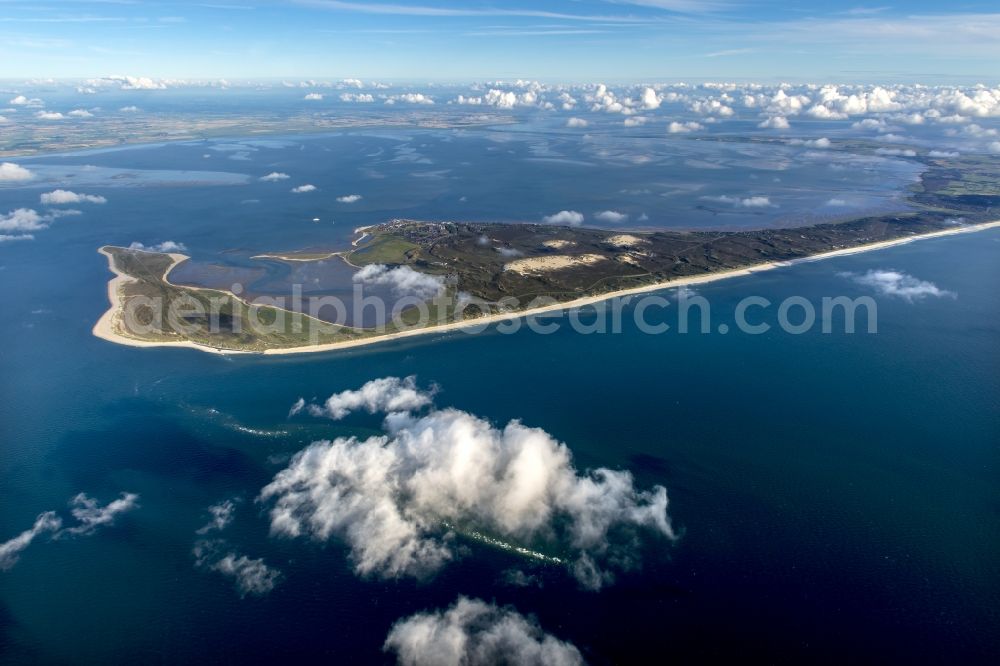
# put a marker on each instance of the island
(491, 272)
(503, 270)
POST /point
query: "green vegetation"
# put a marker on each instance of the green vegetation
(152, 309)
(499, 262)
(960, 182)
(385, 249)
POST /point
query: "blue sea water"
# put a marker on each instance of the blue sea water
(836, 494)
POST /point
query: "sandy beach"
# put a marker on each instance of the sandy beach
(105, 327)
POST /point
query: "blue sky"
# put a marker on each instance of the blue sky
(553, 40)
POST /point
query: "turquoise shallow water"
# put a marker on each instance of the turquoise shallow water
(836, 494)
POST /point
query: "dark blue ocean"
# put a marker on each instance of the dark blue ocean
(835, 494)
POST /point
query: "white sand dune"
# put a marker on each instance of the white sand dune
(556, 262)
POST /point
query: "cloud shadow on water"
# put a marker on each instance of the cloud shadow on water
(143, 438)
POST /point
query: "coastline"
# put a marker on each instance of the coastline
(104, 328)
(363, 231)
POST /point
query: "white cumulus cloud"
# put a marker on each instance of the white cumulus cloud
(386, 395)
(683, 128)
(21, 100)
(650, 100)
(570, 217)
(89, 516)
(23, 219)
(822, 142)
(58, 197)
(474, 633)
(576, 122)
(742, 202)
(896, 152)
(127, 82)
(301, 189)
(774, 122)
(403, 280)
(409, 98)
(14, 172)
(221, 515)
(504, 99)
(349, 198)
(252, 576)
(869, 123)
(10, 551)
(822, 112)
(711, 107)
(755, 202)
(897, 283)
(398, 499)
(165, 246)
(274, 176)
(611, 216)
